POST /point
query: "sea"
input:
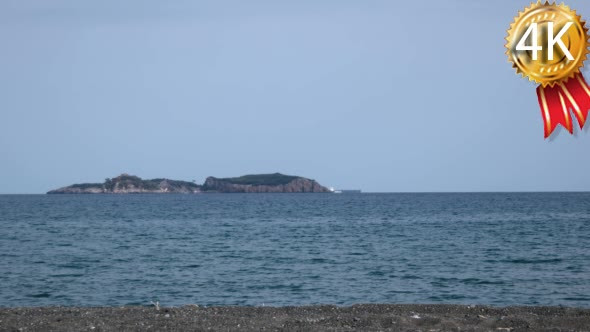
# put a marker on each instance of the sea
(498, 249)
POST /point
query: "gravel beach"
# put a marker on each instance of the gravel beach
(312, 318)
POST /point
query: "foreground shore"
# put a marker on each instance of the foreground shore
(316, 318)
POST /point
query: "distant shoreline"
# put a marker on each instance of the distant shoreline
(384, 317)
(364, 192)
(252, 183)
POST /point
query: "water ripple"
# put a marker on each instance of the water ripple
(499, 249)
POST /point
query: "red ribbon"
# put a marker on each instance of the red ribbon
(557, 101)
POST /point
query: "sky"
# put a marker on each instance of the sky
(383, 96)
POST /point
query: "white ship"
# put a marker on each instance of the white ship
(345, 191)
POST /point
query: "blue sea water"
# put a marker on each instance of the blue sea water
(295, 249)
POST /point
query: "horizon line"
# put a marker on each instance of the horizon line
(347, 194)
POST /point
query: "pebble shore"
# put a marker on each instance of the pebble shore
(366, 317)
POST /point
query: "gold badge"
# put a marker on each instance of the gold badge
(548, 44)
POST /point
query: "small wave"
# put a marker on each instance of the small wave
(320, 260)
(409, 276)
(67, 275)
(584, 299)
(72, 266)
(377, 273)
(476, 281)
(400, 292)
(533, 261)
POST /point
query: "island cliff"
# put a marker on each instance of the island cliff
(129, 184)
(264, 183)
(260, 183)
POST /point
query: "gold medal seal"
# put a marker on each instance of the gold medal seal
(548, 44)
(569, 49)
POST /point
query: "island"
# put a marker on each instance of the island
(256, 183)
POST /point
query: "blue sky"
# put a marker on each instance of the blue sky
(355, 94)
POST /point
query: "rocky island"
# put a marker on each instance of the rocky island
(264, 183)
(258, 183)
